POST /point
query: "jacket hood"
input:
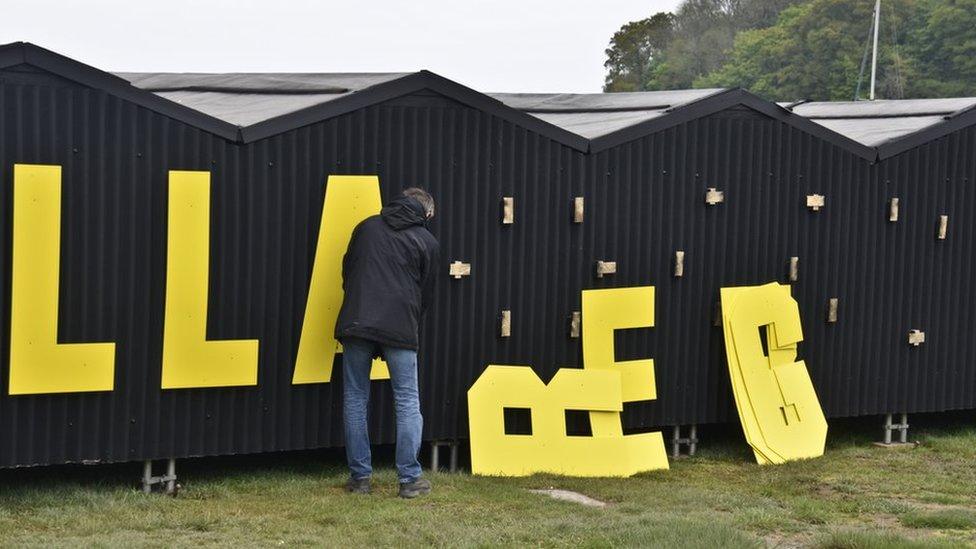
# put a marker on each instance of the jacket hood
(403, 212)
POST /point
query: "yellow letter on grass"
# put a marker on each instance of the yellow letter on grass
(349, 199)
(548, 449)
(605, 311)
(613, 309)
(38, 363)
(778, 406)
(189, 359)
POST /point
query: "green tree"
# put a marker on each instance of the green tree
(671, 51)
(634, 50)
(703, 33)
(814, 51)
(944, 46)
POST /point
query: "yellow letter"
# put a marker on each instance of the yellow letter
(189, 360)
(349, 199)
(38, 364)
(548, 449)
(613, 309)
(781, 416)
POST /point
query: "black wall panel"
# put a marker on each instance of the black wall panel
(644, 200)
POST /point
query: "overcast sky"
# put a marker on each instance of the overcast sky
(499, 45)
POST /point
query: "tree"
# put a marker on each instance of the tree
(802, 49)
(671, 51)
(944, 46)
(634, 50)
(814, 52)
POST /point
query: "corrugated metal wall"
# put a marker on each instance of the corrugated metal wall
(644, 200)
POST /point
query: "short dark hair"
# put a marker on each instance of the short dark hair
(423, 197)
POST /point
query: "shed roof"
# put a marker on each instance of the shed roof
(595, 115)
(244, 99)
(882, 123)
(249, 106)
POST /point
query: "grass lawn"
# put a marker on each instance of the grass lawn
(855, 496)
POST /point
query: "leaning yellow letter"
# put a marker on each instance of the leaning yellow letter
(349, 199)
(189, 359)
(38, 363)
(549, 449)
(778, 406)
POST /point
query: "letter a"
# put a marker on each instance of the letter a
(349, 199)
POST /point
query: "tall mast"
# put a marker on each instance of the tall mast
(874, 56)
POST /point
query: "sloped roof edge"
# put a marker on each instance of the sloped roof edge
(723, 100)
(28, 53)
(402, 86)
(24, 52)
(952, 122)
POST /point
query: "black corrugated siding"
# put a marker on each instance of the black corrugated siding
(644, 200)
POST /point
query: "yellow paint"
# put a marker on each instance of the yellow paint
(778, 406)
(548, 449)
(38, 363)
(379, 371)
(349, 199)
(613, 309)
(189, 359)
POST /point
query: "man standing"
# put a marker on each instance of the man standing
(388, 277)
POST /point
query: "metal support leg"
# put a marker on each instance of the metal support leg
(677, 441)
(435, 448)
(890, 426)
(168, 481)
(147, 480)
(171, 476)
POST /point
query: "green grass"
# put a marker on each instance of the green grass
(857, 496)
(942, 519)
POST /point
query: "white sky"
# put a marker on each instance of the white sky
(500, 45)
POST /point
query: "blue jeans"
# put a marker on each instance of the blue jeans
(357, 358)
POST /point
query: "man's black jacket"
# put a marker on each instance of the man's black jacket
(388, 276)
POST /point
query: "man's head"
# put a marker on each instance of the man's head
(423, 197)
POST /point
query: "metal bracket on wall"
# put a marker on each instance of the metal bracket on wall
(459, 269)
(832, 309)
(916, 337)
(815, 202)
(575, 321)
(506, 324)
(714, 196)
(943, 227)
(168, 481)
(691, 441)
(435, 447)
(794, 269)
(679, 263)
(605, 268)
(893, 209)
(508, 210)
(578, 209)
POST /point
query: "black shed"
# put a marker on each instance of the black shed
(641, 163)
